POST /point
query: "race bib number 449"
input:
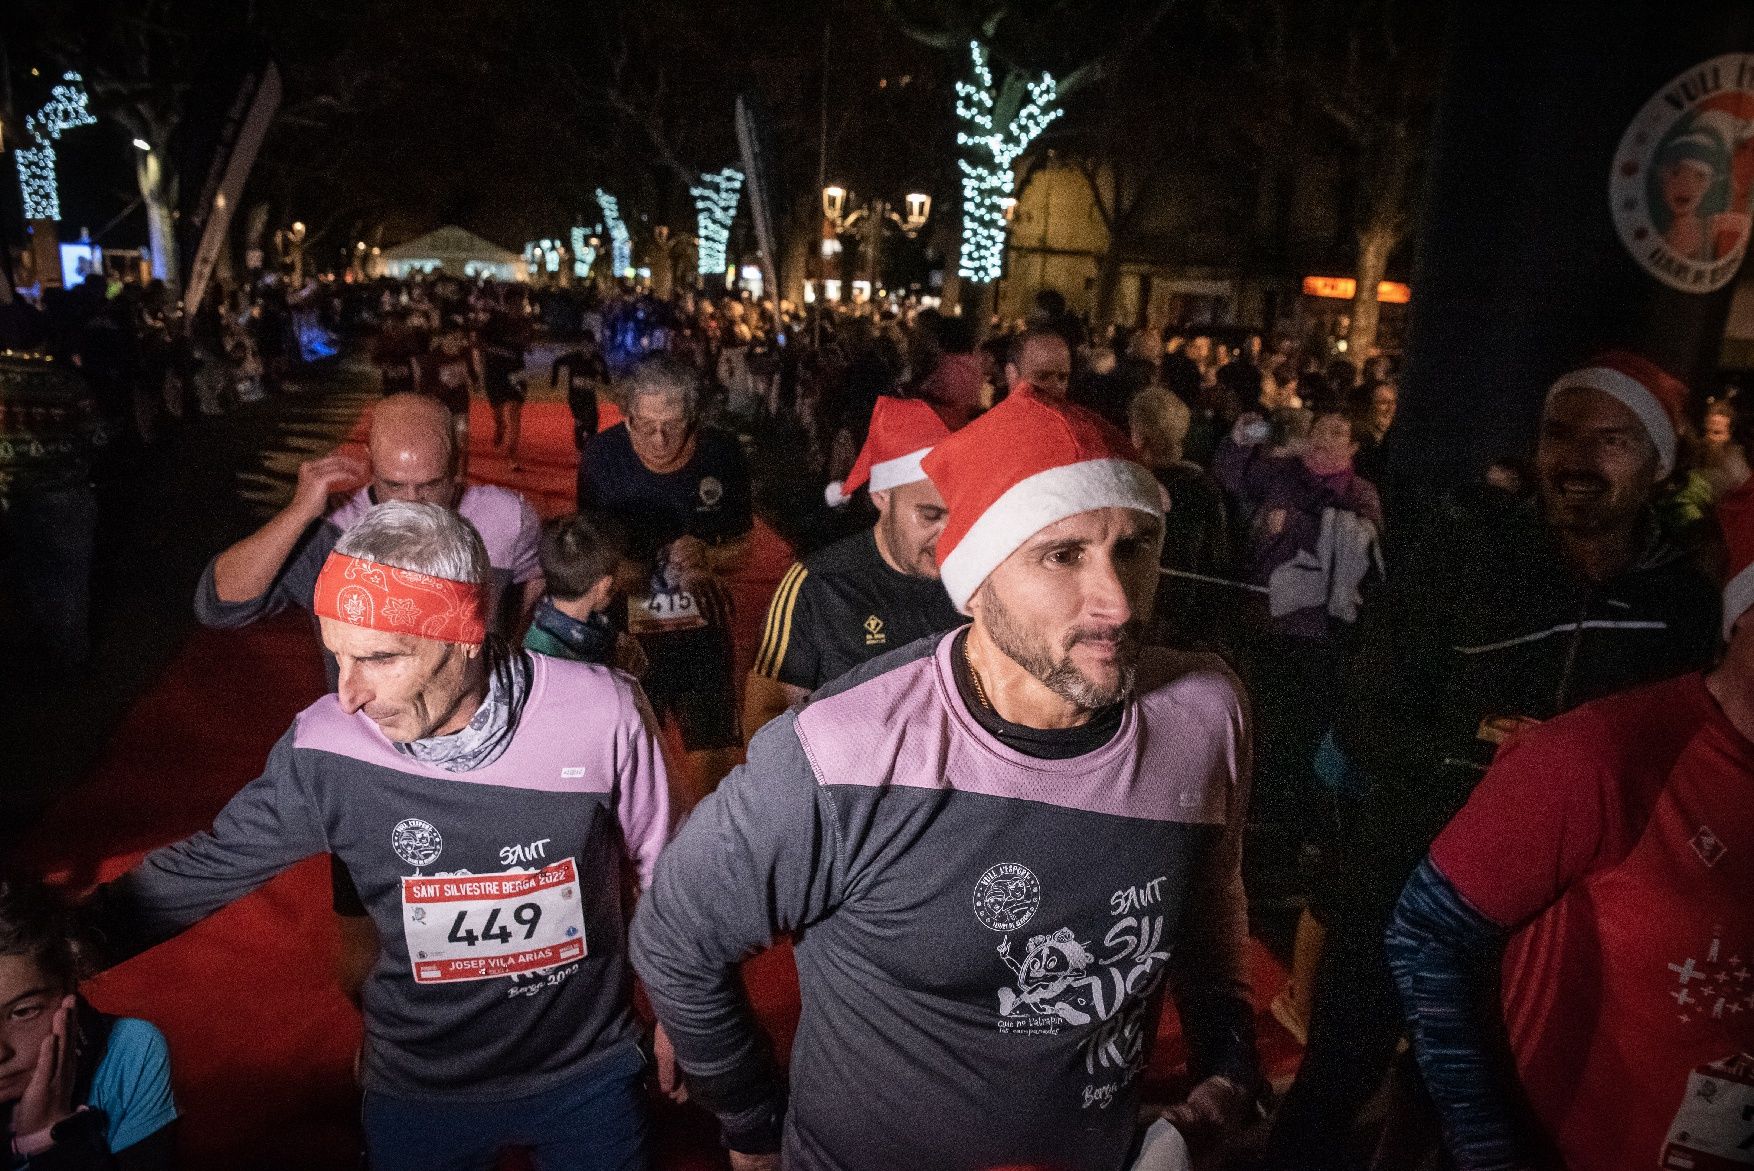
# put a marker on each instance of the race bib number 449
(479, 926)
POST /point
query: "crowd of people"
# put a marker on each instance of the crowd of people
(1096, 642)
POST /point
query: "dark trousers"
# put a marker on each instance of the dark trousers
(1296, 684)
(1354, 1026)
(47, 536)
(595, 1123)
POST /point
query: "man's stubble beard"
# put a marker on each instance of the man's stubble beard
(1060, 676)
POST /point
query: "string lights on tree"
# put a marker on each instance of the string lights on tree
(989, 154)
(584, 253)
(715, 206)
(68, 107)
(620, 243)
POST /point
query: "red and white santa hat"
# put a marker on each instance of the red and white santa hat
(902, 431)
(1658, 398)
(1735, 516)
(1024, 465)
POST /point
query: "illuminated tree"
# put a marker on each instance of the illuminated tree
(620, 242)
(67, 109)
(715, 206)
(999, 123)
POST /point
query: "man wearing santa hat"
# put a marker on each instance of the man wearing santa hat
(1605, 866)
(1486, 627)
(486, 802)
(995, 848)
(869, 593)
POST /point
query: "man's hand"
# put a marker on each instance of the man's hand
(48, 1098)
(630, 656)
(688, 563)
(669, 1073)
(319, 479)
(742, 1162)
(1214, 1111)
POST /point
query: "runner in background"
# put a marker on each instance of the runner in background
(683, 493)
(871, 592)
(1602, 873)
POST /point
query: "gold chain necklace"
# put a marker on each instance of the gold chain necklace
(975, 678)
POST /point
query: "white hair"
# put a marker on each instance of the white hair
(422, 537)
(663, 376)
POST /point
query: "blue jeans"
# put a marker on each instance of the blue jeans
(596, 1122)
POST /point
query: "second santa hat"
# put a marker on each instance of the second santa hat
(1024, 465)
(902, 431)
(1658, 398)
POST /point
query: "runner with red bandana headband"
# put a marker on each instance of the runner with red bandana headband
(484, 801)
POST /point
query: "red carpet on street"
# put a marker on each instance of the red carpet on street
(262, 1041)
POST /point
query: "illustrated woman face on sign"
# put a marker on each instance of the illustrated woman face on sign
(1689, 173)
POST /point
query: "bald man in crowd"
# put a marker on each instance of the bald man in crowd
(1041, 358)
(414, 458)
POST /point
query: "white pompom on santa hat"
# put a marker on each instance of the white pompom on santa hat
(902, 431)
(1658, 398)
(1026, 464)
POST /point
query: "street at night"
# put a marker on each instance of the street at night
(876, 584)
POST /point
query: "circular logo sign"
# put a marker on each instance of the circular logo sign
(417, 842)
(1007, 897)
(711, 491)
(1682, 186)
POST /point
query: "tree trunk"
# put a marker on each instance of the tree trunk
(804, 235)
(1375, 243)
(663, 265)
(158, 191)
(976, 300)
(1108, 284)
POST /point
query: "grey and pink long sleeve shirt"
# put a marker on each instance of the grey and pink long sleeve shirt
(497, 892)
(983, 938)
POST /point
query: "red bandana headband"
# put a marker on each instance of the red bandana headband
(401, 601)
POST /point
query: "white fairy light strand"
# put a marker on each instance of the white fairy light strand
(620, 243)
(584, 255)
(68, 108)
(715, 207)
(989, 155)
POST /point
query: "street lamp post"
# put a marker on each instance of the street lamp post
(873, 215)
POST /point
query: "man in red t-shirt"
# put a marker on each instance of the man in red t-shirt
(1602, 876)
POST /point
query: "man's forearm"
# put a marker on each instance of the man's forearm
(1445, 955)
(766, 699)
(247, 570)
(729, 555)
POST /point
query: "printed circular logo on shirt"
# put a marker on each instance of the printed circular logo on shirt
(1682, 184)
(711, 491)
(417, 842)
(1007, 897)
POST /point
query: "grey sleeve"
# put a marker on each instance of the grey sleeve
(293, 586)
(758, 858)
(270, 824)
(1212, 989)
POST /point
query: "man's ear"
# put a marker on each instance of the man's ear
(977, 601)
(1012, 375)
(601, 593)
(880, 498)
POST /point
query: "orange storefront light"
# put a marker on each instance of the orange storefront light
(1343, 288)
